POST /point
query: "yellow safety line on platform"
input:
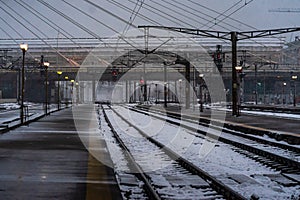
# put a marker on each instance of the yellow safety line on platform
(96, 171)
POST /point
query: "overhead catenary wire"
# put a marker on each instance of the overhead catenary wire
(82, 27)
(31, 31)
(137, 13)
(117, 16)
(13, 17)
(45, 19)
(133, 2)
(69, 19)
(189, 10)
(40, 37)
(114, 30)
(223, 16)
(44, 41)
(24, 19)
(64, 33)
(183, 6)
(134, 26)
(10, 26)
(219, 14)
(72, 37)
(227, 16)
(234, 19)
(203, 25)
(238, 9)
(53, 25)
(165, 15)
(9, 35)
(128, 9)
(155, 10)
(133, 14)
(174, 11)
(110, 13)
(120, 5)
(78, 24)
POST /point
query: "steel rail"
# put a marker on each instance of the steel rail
(223, 189)
(293, 166)
(141, 175)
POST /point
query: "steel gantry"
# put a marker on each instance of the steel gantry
(234, 37)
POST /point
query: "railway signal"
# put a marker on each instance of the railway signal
(142, 82)
(114, 73)
(218, 57)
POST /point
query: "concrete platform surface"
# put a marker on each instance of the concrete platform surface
(46, 160)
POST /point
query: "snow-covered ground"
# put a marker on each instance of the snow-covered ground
(10, 112)
(212, 131)
(9, 106)
(223, 161)
(265, 113)
(273, 114)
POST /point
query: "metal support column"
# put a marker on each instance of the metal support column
(255, 77)
(234, 76)
(46, 89)
(135, 92)
(126, 91)
(187, 85)
(130, 92)
(22, 88)
(94, 91)
(201, 97)
(165, 85)
(176, 92)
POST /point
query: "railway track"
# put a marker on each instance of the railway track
(226, 128)
(282, 157)
(181, 179)
(290, 138)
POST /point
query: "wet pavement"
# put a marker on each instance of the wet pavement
(47, 160)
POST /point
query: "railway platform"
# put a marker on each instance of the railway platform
(47, 160)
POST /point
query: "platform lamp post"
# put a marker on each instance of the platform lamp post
(238, 70)
(72, 85)
(180, 86)
(59, 73)
(294, 78)
(201, 92)
(156, 92)
(283, 99)
(24, 48)
(77, 92)
(66, 90)
(46, 65)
